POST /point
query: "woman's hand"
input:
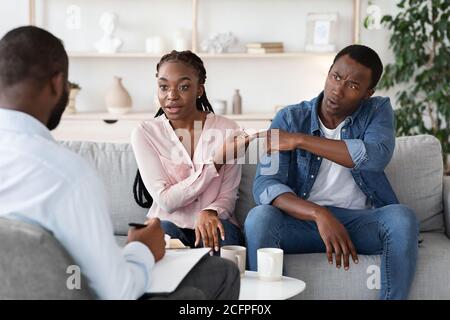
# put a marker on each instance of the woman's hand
(233, 147)
(206, 229)
(279, 140)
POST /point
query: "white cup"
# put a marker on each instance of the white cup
(180, 44)
(158, 45)
(270, 264)
(236, 254)
(149, 45)
(154, 45)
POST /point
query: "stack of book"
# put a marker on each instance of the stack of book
(265, 47)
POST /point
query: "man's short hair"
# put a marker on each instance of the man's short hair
(31, 53)
(365, 56)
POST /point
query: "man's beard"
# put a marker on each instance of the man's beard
(57, 112)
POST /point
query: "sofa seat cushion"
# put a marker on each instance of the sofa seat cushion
(324, 281)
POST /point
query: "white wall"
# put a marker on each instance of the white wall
(12, 14)
(264, 83)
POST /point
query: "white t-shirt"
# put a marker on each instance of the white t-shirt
(334, 185)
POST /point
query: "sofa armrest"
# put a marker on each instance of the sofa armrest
(446, 198)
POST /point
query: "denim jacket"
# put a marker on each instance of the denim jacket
(370, 138)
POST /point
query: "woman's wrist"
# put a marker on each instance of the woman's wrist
(211, 211)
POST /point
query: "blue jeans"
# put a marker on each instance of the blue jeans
(391, 231)
(233, 235)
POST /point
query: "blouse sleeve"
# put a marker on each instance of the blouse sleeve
(226, 200)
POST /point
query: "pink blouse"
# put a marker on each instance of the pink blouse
(181, 187)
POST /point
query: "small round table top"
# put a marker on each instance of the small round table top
(253, 288)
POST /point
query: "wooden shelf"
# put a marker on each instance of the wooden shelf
(264, 55)
(149, 115)
(128, 55)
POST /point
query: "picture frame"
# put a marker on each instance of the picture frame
(321, 29)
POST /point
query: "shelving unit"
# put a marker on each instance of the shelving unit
(102, 126)
(194, 40)
(147, 115)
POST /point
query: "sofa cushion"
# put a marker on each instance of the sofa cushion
(121, 240)
(324, 281)
(245, 200)
(416, 174)
(116, 166)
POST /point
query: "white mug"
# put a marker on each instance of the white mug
(270, 264)
(236, 254)
(154, 45)
(158, 45)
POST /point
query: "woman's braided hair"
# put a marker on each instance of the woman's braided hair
(141, 195)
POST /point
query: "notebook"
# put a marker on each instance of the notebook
(168, 273)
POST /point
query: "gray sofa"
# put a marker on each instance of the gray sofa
(416, 173)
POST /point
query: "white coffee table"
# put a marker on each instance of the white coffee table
(252, 288)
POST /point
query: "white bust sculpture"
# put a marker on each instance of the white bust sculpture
(108, 43)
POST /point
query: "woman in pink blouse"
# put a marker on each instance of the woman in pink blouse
(181, 153)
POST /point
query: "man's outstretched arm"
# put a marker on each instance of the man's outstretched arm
(372, 151)
(333, 150)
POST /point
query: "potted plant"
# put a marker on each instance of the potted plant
(74, 90)
(420, 41)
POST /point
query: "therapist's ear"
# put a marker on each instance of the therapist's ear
(58, 84)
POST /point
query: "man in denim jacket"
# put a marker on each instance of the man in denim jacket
(322, 186)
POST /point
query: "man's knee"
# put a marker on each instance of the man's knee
(231, 270)
(261, 218)
(399, 217)
(231, 280)
(216, 277)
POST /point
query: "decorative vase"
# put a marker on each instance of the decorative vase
(237, 102)
(118, 100)
(71, 108)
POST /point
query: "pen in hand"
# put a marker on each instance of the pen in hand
(137, 225)
(166, 236)
(141, 225)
